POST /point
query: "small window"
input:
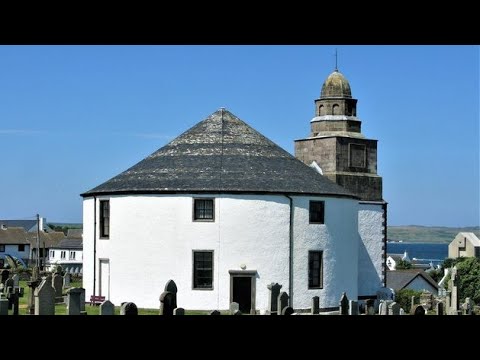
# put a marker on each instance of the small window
(72, 255)
(21, 247)
(203, 270)
(203, 209)
(315, 272)
(317, 212)
(2, 248)
(105, 219)
(63, 255)
(52, 254)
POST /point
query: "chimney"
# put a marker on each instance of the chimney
(43, 223)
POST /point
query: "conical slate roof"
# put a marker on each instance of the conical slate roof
(220, 154)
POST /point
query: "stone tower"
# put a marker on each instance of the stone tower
(337, 148)
(336, 143)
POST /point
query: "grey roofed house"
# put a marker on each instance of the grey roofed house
(28, 225)
(401, 279)
(74, 233)
(76, 244)
(13, 236)
(220, 154)
(47, 240)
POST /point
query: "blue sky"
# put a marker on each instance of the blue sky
(72, 117)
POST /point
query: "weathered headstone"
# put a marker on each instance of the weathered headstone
(167, 300)
(282, 301)
(128, 308)
(454, 291)
(3, 306)
(45, 299)
(447, 303)
(343, 304)
(31, 297)
(66, 281)
(412, 304)
(274, 289)
(170, 286)
(57, 283)
(73, 301)
(16, 280)
(426, 298)
(315, 305)
(107, 308)
(353, 307)
(82, 300)
(287, 310)
(394, 309)
(370, 307)
(8, 284)
(402, 312)
(179, 311)
(419, 310)
(467, 306)
(5, 274)
(215, 312)
(440, 310)
(234, 307)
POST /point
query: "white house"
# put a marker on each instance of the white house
(69, 254)
(224, 212)
(393, 260)
(414, 279)
(13, 242)
(465, 244)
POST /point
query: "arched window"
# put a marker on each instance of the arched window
(321, 110)
(336, 109)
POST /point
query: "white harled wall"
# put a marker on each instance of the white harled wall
(152, 238)
(370, 260)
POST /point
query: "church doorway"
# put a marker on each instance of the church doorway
(242, 290)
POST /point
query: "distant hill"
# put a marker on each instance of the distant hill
(68, 225)
(426, 234)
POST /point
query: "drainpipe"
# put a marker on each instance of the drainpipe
(290, 252)
(94, 242)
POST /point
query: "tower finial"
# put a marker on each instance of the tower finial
(336, 59)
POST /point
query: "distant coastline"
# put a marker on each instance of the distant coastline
(427, 234)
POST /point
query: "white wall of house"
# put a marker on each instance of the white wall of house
(420, 284)
(65, 256)
(370, 260)
(13, 250)
(152, 239)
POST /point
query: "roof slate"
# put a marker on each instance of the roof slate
(220, 154)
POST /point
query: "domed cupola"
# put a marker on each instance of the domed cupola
(336, 86)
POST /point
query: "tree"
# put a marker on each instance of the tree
(403, 264)
(468, 274)
(404, 298)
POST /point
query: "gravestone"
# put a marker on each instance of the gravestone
(31, 297)
(467, 306)
(128, 308)
(215, 312)
(440, 310)
(82, 300)
(179, 311)
(8, 284)
(73, 301)
(453, 283)
(447, 303)
(58, 269)
(419, 310)
(16, 280)
(107, 308)
(394, 309)
(237, 312)
(3, 306)
(412, 304)
(66, 281)
(57, 283)
(353, 307)
(5, 275)
(167, 300)
(282, 301)
(274, 289)
(45, 299)
(13, 299)
(343, 304)
(287, 310)
(386, 294)
(234, 307)
(402, 312)
(315, 305)
(172, 287)
(370, 307)
(426, 298)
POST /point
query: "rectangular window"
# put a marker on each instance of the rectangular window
(315, 272)
(357, 156)
(105, 219)
(477, 252)
(63, 255)
(2, 248)
(203, 210)
(52, 254)
(317, 212)
(203, 270)
(72, 255)
(21, 247)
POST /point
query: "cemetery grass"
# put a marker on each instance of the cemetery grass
(61, 309)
